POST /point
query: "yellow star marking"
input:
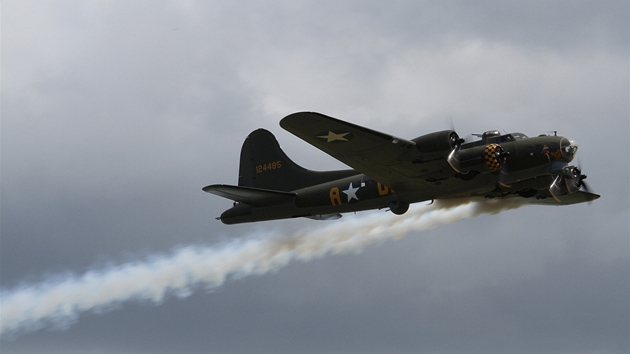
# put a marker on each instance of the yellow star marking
(333, 137)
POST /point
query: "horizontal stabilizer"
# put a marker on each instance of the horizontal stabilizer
(249, 195)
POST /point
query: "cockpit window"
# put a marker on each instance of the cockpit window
(519, 136)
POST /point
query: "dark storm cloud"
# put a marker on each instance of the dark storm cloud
(114, 116)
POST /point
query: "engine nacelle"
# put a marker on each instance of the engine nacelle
(486, 158)
(439, 142)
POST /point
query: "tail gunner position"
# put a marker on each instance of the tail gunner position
(391, 172)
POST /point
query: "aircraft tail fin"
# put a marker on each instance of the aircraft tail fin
(265, 166)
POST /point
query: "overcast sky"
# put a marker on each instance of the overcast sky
(116, 114)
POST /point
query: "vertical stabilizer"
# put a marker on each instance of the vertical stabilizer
(264, 165)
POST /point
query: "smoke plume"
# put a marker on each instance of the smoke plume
(59, 302)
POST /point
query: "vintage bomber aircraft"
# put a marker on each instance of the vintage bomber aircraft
(391, 172)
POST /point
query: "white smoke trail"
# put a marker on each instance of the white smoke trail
(31, 307)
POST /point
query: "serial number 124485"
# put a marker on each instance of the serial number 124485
(268, 166)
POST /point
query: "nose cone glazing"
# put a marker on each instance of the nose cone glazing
(569, 148)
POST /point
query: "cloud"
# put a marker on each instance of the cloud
(114, 116)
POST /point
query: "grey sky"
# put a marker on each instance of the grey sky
(115, 115)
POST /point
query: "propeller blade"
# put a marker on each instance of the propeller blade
(585, 187)
(555, 189)
(581, 183)
(502, 158)
(503, 176)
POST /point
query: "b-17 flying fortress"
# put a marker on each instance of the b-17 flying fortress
(389, 172)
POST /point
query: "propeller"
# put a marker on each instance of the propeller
(570, 181)
(456, 141)
(582, 177)
(502, 158)
(582, 184)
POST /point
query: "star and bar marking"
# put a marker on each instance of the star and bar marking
(351, 192)
(332, 136)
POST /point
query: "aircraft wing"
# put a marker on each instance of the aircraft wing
(248, 195)
(383, 157)
(566, 199)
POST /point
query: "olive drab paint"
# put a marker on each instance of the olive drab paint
(389, 172)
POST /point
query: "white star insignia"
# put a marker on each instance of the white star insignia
(351, 192)
(334, 137)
